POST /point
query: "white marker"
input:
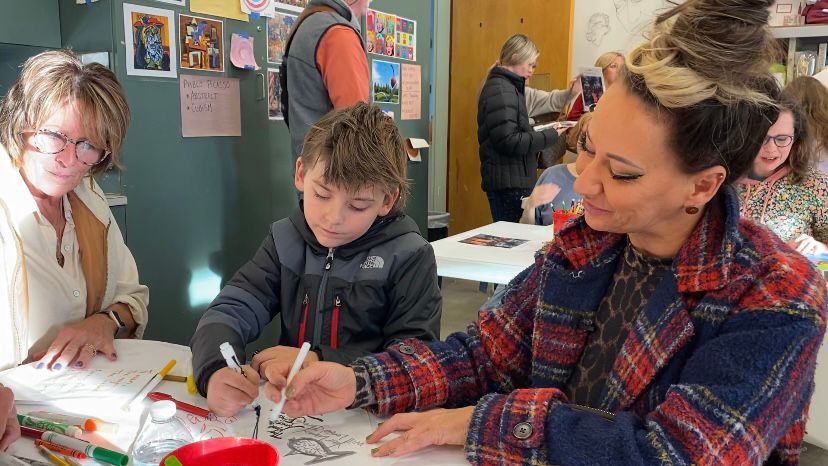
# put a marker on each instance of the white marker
(300, 359)
(233, 363)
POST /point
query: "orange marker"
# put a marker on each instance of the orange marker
(61, 449)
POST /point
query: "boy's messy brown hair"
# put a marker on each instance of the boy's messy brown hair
(360, 147)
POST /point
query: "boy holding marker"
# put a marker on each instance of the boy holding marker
(349, 272)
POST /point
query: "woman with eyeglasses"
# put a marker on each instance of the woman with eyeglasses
(68, 283)
(783, 189)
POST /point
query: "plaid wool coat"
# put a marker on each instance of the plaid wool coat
(717, 369)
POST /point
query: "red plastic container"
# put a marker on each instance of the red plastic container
(559, 219)
(225, 451)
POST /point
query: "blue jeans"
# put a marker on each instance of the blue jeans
(505, 204)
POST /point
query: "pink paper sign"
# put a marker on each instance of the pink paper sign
(210, 106)
(411, 92)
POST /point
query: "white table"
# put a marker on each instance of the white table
(240, 425)
(487, 263)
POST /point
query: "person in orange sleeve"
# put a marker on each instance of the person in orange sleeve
(327, 66)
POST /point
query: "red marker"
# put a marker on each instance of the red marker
(31, 432)
(158, 396)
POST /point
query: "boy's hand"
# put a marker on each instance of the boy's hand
(279, 355)
(228, 391)
(320, 388)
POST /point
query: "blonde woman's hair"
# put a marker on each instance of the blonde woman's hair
(812, 97)
(573, 138)
(705, 73)
(518, 50)
(52, 79)
(360, 147)
(607, 58)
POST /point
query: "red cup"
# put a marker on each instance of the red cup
(559, 219)
(223, 451)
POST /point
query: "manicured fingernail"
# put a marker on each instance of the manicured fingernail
(40, 365)
(79, 364)
(114, 356)
(374, 451)
(289, 391)
(57, 367)
(380, 424)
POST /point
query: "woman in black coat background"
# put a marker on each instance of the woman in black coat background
(508, 144)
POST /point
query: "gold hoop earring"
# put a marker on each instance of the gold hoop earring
(692, 210)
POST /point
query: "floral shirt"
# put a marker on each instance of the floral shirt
(788, 209)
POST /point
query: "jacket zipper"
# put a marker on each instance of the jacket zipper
(320, 298)
(335, 322)
(301, 338)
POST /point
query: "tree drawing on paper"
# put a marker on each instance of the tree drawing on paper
(310, 436)
(315, 449)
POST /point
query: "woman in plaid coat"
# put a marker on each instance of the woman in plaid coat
(660, 328)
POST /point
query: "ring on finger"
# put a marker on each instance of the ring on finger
(91, 348)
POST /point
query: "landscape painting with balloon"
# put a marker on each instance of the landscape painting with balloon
(385, 82)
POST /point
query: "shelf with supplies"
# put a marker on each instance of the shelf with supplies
(806, 47)
(806, 30)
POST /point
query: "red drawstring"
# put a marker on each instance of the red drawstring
(304, 322)
(335, 322)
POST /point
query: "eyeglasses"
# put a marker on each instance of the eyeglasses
(54, 142)
(780, 141)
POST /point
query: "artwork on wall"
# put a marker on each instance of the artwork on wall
(173, 2)
(202, 43)
(391, 35)
(278, 28)
(149, 38)
(274, 94)
(385, 76)
(291, 5)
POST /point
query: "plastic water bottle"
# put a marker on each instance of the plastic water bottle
(161, 434)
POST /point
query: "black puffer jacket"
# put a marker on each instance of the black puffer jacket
(508, 144)
(348, 301)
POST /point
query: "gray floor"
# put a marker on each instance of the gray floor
(462, 298)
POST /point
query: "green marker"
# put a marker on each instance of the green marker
(46, 424)
(91, 450)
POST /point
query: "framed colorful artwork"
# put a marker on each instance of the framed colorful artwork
(150, 41)
(278, 28)
(173, 2)
(385, 82)
(202, 43)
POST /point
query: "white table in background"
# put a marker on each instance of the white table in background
(487, 263)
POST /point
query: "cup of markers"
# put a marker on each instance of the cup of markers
(563, 215)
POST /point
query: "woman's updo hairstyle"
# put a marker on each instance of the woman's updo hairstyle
(705, 71)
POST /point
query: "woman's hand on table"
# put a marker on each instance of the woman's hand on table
(9, 428)
(420, 430)
(321, 387)
(77, 343)
(228, 391)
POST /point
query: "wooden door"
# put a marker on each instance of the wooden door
(478, 30)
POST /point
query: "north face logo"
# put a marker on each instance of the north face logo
(372, 262)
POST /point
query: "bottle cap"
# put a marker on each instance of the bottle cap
(162, 410)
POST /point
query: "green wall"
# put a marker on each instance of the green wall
(199, 207)
(30, 22)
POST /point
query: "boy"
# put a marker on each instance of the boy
(348, 272)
